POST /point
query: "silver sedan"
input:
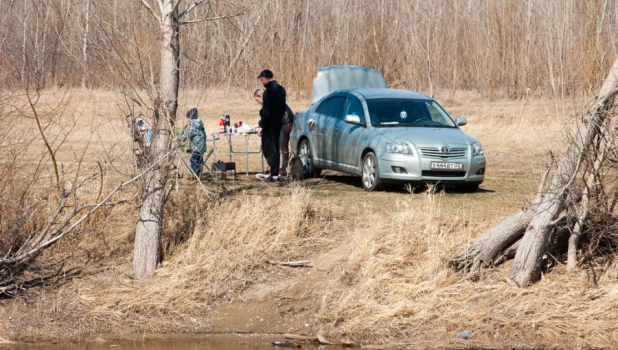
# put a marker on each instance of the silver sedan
(387, 136)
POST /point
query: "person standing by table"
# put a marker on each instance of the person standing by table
(284, 135)
(271, 116)
(195, 133)
(284, 139)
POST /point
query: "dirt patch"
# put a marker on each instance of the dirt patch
(287, 303)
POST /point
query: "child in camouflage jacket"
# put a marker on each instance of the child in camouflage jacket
(195, 133)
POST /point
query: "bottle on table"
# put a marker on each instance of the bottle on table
(222, 124)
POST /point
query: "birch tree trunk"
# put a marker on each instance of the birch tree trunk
(147, 247)
(85, 45)
(170, 62)
(24, 41)
(526, 266)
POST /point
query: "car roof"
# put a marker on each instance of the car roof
(370, 94)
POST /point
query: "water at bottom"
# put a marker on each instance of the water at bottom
(211, 342)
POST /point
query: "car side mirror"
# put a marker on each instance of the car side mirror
(352, 119)
(461, 121)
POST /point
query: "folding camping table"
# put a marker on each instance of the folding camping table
(230, 152)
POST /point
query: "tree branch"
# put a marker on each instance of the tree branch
(45, 240)
(176, 3)
(151, 10)
(47, 145)
(211, 19)
(541, 191)
(190, 8)
(241, 12)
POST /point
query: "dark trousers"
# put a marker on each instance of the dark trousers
(284, 140)
(197, 162)
(270, 148)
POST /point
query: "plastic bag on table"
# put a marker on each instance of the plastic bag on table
(246, 128)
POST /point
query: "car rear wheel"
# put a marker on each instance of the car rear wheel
(371, 174)
(306, 157)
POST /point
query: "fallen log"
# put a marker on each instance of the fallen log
(537, 221)
(526, 268)
(483, 251)
(507, 254)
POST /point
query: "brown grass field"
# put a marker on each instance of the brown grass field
(379, 270)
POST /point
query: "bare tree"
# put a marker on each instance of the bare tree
(146, 252)
(85, 44)
(25, 36)
(147, 246)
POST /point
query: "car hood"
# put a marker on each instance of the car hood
(343, 77)
(425, 136)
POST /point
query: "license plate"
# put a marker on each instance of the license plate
(446, 166)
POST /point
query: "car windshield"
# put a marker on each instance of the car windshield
(390, 112)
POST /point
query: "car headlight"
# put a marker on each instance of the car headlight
(477, 149)
(398, 147)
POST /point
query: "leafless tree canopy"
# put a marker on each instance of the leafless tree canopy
(493, 47)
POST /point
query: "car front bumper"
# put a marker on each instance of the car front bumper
(395, 167)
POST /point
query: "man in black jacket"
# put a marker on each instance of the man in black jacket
(271, 115)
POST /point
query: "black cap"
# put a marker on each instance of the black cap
(192, 113)
(265, 74)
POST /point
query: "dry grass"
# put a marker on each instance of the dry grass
(399, 288)
(233, 239)
(392, 287)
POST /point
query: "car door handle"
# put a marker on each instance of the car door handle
(337, 128)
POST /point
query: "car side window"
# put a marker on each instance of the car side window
(322, 108)
(354, 107)
(333, 109)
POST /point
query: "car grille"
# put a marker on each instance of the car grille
(448, 154)
(439, 173)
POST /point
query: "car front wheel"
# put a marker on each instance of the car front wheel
(306, 157)
(371, 174)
